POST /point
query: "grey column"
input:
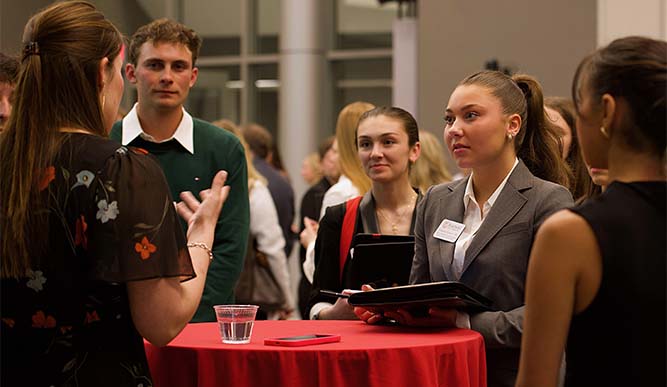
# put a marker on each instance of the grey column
(302, 71)
(405, 40)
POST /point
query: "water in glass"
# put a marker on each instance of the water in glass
(234, 331)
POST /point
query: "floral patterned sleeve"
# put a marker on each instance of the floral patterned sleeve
(133, 230)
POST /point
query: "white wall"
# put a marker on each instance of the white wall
(618, 18)
(543, 38)
(13, 16)
(213, 18)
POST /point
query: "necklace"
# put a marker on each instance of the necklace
(399, 218)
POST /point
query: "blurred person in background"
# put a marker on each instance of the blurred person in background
(265, 238)
(9, 69)
(311, 204)
(562, 114)
(353, 181)
(261, 144)
(310, 169)
(430, 169)
(276, 160)
(600, 181)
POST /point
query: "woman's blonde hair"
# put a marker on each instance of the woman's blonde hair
(313, 161)
(253, 175)
(346, 135)
(430, 168)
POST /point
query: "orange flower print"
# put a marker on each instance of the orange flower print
(91, 317)
(80, 237)
(40, 320)
(47, 177)
(145, 248)
(9, 322)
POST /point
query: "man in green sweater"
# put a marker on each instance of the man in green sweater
(161, 58)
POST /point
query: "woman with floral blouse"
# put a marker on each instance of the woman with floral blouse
(93, 255)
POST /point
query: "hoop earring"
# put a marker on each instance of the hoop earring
(604, 131)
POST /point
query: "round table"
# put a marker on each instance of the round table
(367, 356)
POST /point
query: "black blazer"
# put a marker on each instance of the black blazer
(327, 246)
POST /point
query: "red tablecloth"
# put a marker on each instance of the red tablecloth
(366, 356)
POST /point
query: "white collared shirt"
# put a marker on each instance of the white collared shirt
(184, 133)
(473, 219)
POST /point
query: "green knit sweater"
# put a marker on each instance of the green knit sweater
(214, 149)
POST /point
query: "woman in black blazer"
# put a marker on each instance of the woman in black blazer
(388, 144)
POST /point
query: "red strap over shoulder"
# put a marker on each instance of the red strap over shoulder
(347, 231)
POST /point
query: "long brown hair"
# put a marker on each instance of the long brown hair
(581, 182)
(57, 87)
(431, 167)
(537, 144)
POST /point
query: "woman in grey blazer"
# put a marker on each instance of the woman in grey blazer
(479, 230)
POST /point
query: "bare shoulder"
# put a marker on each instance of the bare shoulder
(565, 225)
(567, 236)
(564, 221)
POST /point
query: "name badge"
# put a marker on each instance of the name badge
(449, 230)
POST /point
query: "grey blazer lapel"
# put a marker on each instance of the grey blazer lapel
(450, 207)
(508, 204)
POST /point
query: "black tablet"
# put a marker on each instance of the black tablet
(381, 264)
(419, 298)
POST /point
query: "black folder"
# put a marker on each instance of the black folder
(417, 299)
(380, 260)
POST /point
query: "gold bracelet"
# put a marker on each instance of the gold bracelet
(202, 245)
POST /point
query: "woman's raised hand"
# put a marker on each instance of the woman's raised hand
(309, 232)
(203, 216)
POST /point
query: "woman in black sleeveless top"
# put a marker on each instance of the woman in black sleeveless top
(596, 280)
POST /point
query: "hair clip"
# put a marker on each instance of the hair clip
(32, 48)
